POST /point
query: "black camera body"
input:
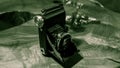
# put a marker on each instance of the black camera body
(53, 33)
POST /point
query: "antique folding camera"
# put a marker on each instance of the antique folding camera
(54, 38)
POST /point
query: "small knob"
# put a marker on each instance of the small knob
(39, 21)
